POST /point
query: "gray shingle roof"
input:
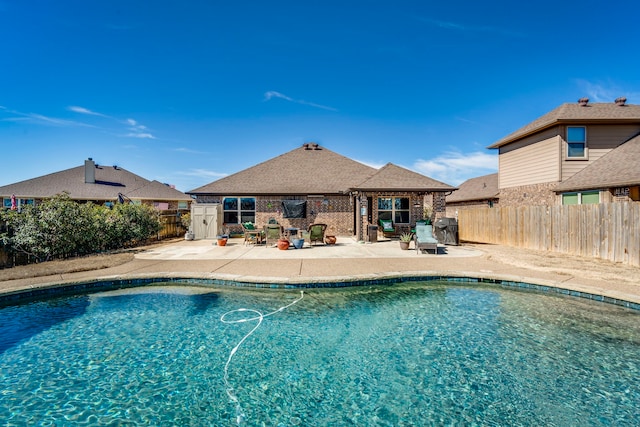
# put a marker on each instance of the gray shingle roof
(620, 167)
(575, 113)
(395, 178)
(109, 181)
(480, 188)
(309, 169)
(313, 169)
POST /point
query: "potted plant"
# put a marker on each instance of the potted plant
(298, 243)
(427, 212)
(185, 221)
(222, 239)
(283, 244)
(405, 239)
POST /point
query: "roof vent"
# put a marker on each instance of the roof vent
(311, 146)
(583, 102)
(621, 101)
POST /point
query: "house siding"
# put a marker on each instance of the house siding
(600, 140)
(536, 162)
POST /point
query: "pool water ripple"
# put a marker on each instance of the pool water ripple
(407, 354)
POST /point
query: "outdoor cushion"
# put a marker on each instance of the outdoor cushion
(248, 226)
(424, 234)
(424, 239)
(386, 225)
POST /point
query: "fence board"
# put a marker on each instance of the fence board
(608, 231)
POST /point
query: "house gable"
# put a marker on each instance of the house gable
(534, 159)
(395, 178)
(309, 169)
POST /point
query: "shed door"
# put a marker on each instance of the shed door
(205, 220)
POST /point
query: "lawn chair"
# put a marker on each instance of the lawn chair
(387, 227)
(251, 234)
(424, 239)
(316, 233)
(272, 233)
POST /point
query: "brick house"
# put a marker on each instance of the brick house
(325, 187)
(96, 183)
(577, 153)
(476, 192)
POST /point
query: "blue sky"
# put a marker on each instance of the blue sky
(187, 92)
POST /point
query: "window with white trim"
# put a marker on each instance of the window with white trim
(239, 209)
(395, 209)
(576, 142)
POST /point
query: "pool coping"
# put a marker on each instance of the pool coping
(52, 289)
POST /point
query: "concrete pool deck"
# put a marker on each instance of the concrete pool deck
(351, 260)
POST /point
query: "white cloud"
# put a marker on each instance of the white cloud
(203, 173)
(82, 110)
(375, 165)
(137, 130)
(455, 26)
(454, 168)
(273, 94)
(187, 150)
(605, 92)
(42, 120)
(140, 135)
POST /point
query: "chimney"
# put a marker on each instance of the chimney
(583, 102)
(89, 171)
(621, 101)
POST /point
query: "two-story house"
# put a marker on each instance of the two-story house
(577, 153)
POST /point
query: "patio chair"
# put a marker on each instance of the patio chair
(316, 233)
(424, 239)
(419, 222)
(387, 227)
(251, 234)
(272, 233)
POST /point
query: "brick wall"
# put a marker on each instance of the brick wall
(335, 211)
(529, 195)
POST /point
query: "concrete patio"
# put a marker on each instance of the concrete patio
(351, 260)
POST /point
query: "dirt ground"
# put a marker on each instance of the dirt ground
(563, 264)
(535, 260)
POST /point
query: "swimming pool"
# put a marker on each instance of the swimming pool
(415, 353)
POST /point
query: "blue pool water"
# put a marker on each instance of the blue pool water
(419, 353)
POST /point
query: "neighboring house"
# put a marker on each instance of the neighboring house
(577, 153)
(474, 193)
(96, 183)
(311, 184)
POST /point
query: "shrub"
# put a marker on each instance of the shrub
(60, 227)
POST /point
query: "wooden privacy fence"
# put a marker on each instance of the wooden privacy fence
(171, 225)
(608, 231)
